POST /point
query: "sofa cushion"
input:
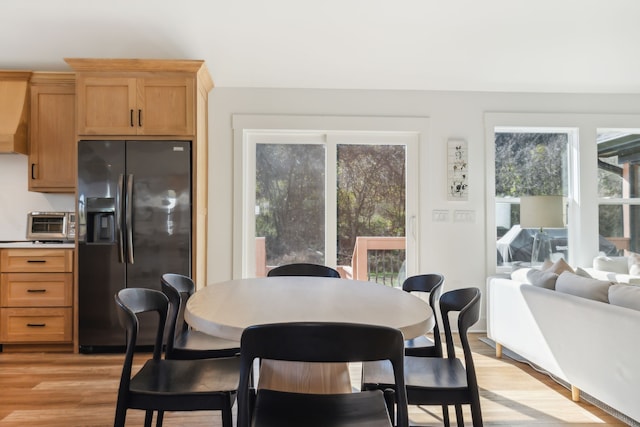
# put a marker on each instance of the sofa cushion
(570, 283)
(542, 279)
(625, 296)
(582, 272)
(616, 264)
(613, 277)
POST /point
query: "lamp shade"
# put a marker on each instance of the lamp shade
(541, 212)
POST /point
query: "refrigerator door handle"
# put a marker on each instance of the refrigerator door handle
(118, 220)
(129, 218)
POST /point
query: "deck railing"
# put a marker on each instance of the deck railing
(378, 259)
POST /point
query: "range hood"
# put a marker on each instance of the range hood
(14, 111)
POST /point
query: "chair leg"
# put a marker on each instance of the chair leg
(227, 417)
(445, 416)
(476, 412)
(459, 417)
(160, 418)
(390, 400)
(148, 417)
(120, 418)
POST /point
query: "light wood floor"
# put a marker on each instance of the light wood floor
(80, 390)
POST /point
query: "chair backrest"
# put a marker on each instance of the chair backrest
(303, 269)
(321, 342)
(130, 303)
(466, 301)
(432, 284)
(178, 289)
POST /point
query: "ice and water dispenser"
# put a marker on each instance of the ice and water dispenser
(101, 220)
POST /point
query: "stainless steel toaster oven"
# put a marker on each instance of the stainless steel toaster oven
(51, 226)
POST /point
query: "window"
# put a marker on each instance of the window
(529, 162)
(318, 196)
(599, 204)
(618, 190)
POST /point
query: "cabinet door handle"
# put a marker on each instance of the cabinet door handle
(36, 260)
(131, 117)
(36, 291)
(140, 118)
(33, 167)
(36, 325)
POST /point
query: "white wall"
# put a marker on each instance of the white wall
(16, 201)
(457, 250)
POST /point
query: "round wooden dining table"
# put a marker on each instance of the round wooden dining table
(225, 309)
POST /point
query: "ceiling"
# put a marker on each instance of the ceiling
(584, 46)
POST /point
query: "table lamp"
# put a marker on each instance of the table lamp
(541, 212)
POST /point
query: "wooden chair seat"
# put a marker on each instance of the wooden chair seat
(319, 410)
(180, 385)
(421, 346)
(192, 344)
(421, 373)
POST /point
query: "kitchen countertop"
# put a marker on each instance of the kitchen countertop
(35, 245)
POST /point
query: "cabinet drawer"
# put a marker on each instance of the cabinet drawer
(35, 325)
(36, 260)
(36, 289)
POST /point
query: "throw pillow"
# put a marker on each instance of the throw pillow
(560, 266)
(612, 264)
(633, 262)
(547, 264)
(625, 296)
(570, 283)
(542, 279)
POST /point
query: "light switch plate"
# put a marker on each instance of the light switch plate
(464, 216)
(440, 215)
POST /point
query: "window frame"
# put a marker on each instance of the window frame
(331, 131)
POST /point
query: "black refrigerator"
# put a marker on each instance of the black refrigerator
(133, 225)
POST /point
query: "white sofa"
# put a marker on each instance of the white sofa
(594, 346)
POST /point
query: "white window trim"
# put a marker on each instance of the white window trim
(336, 129)
(583, 198)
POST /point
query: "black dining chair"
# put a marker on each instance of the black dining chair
(303, 269)
(327, 343)
(165, 384)
(440, 381)
(184, 342)
(423, 346)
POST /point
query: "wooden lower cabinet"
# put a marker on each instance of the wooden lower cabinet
(36, 299)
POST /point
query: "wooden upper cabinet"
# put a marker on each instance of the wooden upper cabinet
(52, 145)
(166, 106)
(124, 105)
(106, 105)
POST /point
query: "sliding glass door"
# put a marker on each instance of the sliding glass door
(338, 199)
